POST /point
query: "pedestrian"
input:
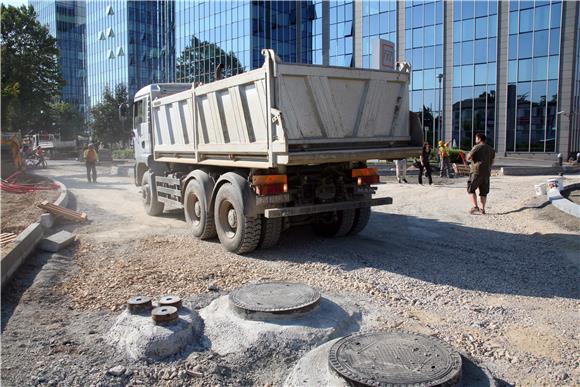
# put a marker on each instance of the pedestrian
(424, 164)
(481, 156)
(91, 157)
(444, 164)
(401, 170)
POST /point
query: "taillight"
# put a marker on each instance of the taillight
(366, 176)
(270, 184)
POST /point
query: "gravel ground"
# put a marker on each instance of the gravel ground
(502, 288)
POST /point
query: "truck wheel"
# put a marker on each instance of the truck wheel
(152, 206)
(332, 224)
(271, 230)
(361, 219)
(196, 211)
(237, 232)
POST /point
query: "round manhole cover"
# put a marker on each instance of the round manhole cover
(275, 297)
(395, 359)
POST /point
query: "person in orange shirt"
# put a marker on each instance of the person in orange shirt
(91, 157)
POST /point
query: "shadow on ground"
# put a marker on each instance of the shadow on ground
(446, 254)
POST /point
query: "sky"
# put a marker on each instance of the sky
(16, 3)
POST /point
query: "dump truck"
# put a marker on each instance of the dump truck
(249, 156)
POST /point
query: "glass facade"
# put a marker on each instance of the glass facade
(533, 74)
(234, 33)
(341, 47)
(138, 43)
(574, 115)
(379, 20)
(126, 43)
(424, 50)
(66, 22)
(474, 71)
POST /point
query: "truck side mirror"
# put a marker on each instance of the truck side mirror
(123, 111)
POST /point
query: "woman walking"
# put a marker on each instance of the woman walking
(424, 164)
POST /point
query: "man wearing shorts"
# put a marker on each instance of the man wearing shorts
(481, 156)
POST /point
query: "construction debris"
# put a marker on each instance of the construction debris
(7, 237)
(66, 213)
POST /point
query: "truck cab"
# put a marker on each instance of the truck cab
(143, 143)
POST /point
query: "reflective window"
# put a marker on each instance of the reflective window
(532, 94)
(425, 52)
(525, 45)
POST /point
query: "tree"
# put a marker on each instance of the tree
(31, 76)
(198, 61)
(108, 127)
(66, 119)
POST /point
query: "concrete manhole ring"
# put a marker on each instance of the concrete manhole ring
(395, 359)
(138, 304)
(164, 314)
(171, 301)
(275, 297)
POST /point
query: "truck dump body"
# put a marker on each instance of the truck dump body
(286, 114)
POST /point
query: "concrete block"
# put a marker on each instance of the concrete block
(57, 241)
(24, 245)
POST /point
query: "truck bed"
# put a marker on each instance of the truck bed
(286, 114)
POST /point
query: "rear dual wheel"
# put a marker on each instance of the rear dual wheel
(342, 223)
(197, 214)
(237, 232)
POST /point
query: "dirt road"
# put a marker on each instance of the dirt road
(501, 287)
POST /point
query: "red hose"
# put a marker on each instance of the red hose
(9, 185)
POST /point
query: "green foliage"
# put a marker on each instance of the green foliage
(67, 119)
(106, 123)
(31, 75)
(200, 58)
(454, 155)
(123, 154)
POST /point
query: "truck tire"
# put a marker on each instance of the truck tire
(361, 219)
(329, 225)
(196, 211)
(237, 233)
(271, 230)
(153, 207)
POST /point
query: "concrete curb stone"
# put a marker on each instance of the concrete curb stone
(27, 240)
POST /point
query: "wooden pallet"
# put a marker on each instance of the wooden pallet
(7, 237)
(66, 213)
(460, 169)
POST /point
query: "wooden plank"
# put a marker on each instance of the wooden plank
(64, 212)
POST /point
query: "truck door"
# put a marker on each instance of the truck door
(142, 130)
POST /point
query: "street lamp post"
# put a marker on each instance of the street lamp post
(440, 78)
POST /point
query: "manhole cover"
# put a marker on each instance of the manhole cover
(395, 359)
(275, 297)
(138, 304)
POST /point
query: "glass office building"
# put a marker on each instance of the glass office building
(66, 22)
(506, 69)
(234, 33)
(456, 50)
(130, 43)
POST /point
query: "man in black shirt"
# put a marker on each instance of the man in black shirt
(481, 156)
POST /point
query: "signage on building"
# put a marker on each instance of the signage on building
(382, 54)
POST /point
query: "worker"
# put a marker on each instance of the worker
(481, 157)
(91, 157)
(444, 165)
(424, 164)
(401, 170)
